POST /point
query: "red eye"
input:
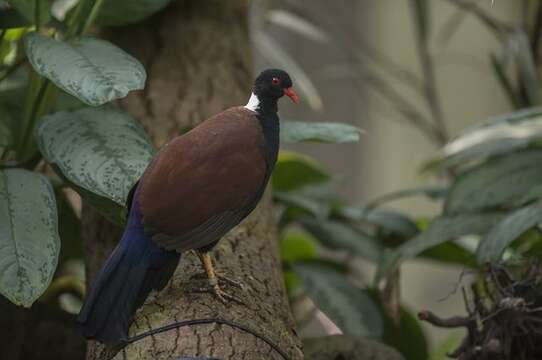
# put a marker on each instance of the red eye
(275, 81)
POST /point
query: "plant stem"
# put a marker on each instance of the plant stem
(497, 26)
(92, 17)
(73, 22)
(29, 124)
(12, 68)
(37, 14)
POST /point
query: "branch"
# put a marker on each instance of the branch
(430, 90)
(498, 27)
(453, 322)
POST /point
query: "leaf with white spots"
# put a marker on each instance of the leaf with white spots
(29, 240)
(102, 152)
(95, 71)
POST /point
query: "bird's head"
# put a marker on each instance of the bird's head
(270, 86)
(274, 83)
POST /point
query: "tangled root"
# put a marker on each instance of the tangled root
(504, 319)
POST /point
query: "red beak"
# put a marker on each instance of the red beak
(291, 94)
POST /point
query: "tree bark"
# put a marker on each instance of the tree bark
(198, 59)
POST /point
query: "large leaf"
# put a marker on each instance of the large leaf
(501, 135)
(122, 12)
(300, 131)
(93, 70)
(440, 230)
(496, 183)
(337, 235)
(518, 44)
(29, 240)
(294, 171)
(445, 228)
(408, 336)
(510, 228)
(350, 308)
(390, 222)
(101, 151)
(306, 203)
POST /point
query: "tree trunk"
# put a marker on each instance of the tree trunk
(198, 59)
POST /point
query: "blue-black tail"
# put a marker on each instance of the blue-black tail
(136, 266)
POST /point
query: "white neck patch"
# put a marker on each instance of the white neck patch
(253, 103)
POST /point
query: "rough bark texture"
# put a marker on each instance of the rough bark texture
(198, 59)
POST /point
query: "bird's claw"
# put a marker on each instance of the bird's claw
(221, 295)
(224, 278)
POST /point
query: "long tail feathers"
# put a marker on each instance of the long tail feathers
(135, 268)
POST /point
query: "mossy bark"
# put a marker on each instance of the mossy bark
(198, 59)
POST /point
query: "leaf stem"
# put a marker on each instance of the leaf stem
(29, 125)
(37, 14)
(92, 17)
(73, 22)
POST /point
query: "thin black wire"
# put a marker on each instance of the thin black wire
(179, 324)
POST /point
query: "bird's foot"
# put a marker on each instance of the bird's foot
(223, 296)
(222, 279)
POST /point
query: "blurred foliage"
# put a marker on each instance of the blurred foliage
(492, 193)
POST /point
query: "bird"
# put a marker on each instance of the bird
(197, 188)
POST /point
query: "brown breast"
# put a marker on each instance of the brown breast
(216, 167)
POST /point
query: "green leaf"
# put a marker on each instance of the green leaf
(498, 136)
(294, 171)
(391, 222)
(297, 199)
(408, 337)
(101, 151)
(451, 253)
(350, 308)
(337, 235)
(431, 192)
(440, 230)
(510, 228)
(93, 70)
(27, 9)
(519, 45)
(499, 69)
(29, 240)
(496, 183)
(297, 246)
(447, 228)
(119, 12)
(326, 132)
